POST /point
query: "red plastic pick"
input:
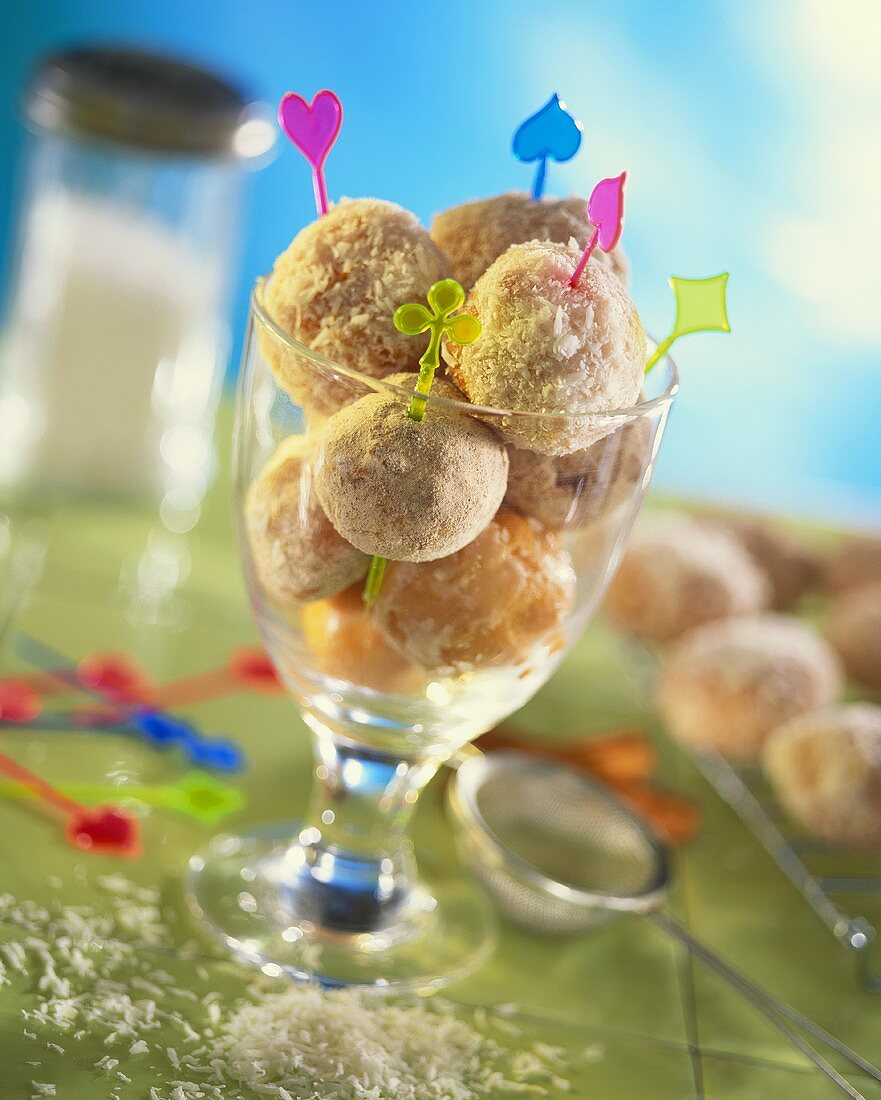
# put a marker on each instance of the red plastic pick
(116, 676)
(93, 829)
(251, 667)
(19, 702)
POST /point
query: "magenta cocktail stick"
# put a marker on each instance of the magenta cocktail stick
(605, 212)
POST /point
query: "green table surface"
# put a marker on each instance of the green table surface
(621, 994)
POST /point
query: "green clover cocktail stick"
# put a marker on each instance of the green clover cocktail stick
(412, 319)
(700, 307)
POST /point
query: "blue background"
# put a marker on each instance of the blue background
(751, 132)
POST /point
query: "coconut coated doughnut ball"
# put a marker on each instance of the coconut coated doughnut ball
(857, 561)
(475, 234)
(550, 348)
(335, 289)
(577, 489)
(346, 644)
(405, 489)
(296, 553)
(825, 769)
(678, 573)
(728, 684)
(490, 604)
(854, 629)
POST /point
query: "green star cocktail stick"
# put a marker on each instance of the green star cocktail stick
(700, 307)
(412, 319)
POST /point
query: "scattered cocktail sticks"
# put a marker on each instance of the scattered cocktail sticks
(197, 795)
(701, 306)
(551, 133)
(248, 668)
(313, 128)
(129, 712)
(605, 212)
(104, 829)
(440, 319)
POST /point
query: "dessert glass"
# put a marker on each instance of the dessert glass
(337, 897)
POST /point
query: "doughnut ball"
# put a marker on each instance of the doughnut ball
(790, 567)
(577, 489)
(475, 234)
(490, 604)
(345, 644)
(549, 348)
(335, 289)
(854, 629)
(825, 769)
(678, 573)
(726, 685)
(405, 489)
(440, 386)
(296, 553)
(857, 561)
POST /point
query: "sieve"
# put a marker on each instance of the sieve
(561, 855)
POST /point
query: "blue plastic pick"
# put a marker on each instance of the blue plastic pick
(551, 132)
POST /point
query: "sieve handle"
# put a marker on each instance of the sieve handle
(772, 1008)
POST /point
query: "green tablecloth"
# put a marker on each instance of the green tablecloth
(618, 994)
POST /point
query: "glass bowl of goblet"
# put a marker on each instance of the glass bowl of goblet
(393, 689)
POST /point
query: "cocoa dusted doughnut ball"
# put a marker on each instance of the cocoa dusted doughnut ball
(296, 553)
(728, 684)
(405, 489)
(825, 769)
(677, 573)
(488, 605)
(475, 234)
(335, 289)
(856, 561)
(566, 353)
(854, 629)
(791, 568)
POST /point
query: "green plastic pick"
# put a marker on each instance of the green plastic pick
(700, 307)
(412, 319)
(197, 794)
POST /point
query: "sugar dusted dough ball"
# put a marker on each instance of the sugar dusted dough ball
(857, 561)
(345, 644)
(728, 684)
(678, 573)
(577, 489)
(854, 629)
(405, 489)
(488, 605)
(550, 348)
(296, 552)
(825, 769)
(475, 234)
(335, 289)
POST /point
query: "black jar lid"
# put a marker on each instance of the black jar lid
(145, 100)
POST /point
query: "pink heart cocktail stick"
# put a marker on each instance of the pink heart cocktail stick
(605, 212)
(313, 128)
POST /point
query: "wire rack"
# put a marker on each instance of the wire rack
(833, 882)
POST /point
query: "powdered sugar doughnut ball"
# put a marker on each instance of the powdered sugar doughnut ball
(577, 489)
(550, 348)
(335, 289)
(825, 769)
(475, 234)
(678, 573)
(405, 489)
(728, 684)
(854, 629)
(296, 553)
(346, 644)
(490, 604)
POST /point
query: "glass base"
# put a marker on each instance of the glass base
(238, 891)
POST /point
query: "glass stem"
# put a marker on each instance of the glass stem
(356, 869)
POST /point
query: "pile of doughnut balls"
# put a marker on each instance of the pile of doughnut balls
(467, 510)
(742, 675)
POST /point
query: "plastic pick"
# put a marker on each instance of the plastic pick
(313, 128)
(701, 306)
(19, 702)
(99, 829)
(440, 319)
(550, 133)
(605, 211)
